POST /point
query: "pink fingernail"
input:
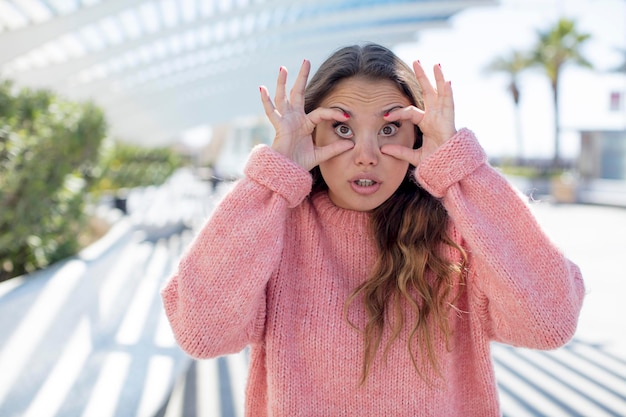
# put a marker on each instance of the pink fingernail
(346, 115)
(386, 114)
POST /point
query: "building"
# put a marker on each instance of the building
(159, 67)
(602, 158)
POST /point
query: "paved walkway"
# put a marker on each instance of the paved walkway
(88, 336)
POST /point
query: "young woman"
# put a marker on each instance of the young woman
(371, 254)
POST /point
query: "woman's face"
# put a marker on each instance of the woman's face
(363, 178)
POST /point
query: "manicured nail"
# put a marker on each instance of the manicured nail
(386, 114)
(439, 65)
(346, 115)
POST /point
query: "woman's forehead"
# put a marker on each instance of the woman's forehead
(359, 92)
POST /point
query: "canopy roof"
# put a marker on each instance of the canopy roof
(159, 67)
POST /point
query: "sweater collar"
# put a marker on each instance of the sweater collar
(340, 218)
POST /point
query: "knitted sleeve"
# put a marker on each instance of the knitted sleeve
(524, 289)
(215, 301)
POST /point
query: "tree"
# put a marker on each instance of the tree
(556, 47)
(512, 65)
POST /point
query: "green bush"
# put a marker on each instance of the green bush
(49, 150)
(123, 166)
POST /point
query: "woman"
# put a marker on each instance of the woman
(370, 255)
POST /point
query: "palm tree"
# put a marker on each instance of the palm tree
(512, 65)
(556, 47)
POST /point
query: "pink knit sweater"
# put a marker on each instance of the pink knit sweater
(273, 267)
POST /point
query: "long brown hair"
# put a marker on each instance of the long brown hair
(410, 228)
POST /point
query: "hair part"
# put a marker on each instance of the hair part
(410, 228)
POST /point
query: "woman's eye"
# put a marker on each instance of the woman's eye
(343, 130)
(389, 130)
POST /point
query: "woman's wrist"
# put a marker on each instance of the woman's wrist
(278, 173)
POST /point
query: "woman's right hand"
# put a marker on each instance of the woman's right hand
(294, 128)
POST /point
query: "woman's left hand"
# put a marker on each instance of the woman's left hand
(436, 121)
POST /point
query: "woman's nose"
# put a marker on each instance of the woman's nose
(366, 152)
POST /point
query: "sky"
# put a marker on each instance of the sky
(477, 35)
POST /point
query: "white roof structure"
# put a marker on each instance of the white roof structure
(158, 67)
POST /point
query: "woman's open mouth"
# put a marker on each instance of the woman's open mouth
(365, 186)
(365, 183)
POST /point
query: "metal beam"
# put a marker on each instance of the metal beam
(255, 66)
(219, 98)
(215, 90)
(20, 41)
(59, 73)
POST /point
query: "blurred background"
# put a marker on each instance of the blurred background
(123, 123)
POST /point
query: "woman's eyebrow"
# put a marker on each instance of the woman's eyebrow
(342, 109)
(389, 110)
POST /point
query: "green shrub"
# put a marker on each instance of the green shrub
(124, 166)
(49, 150)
